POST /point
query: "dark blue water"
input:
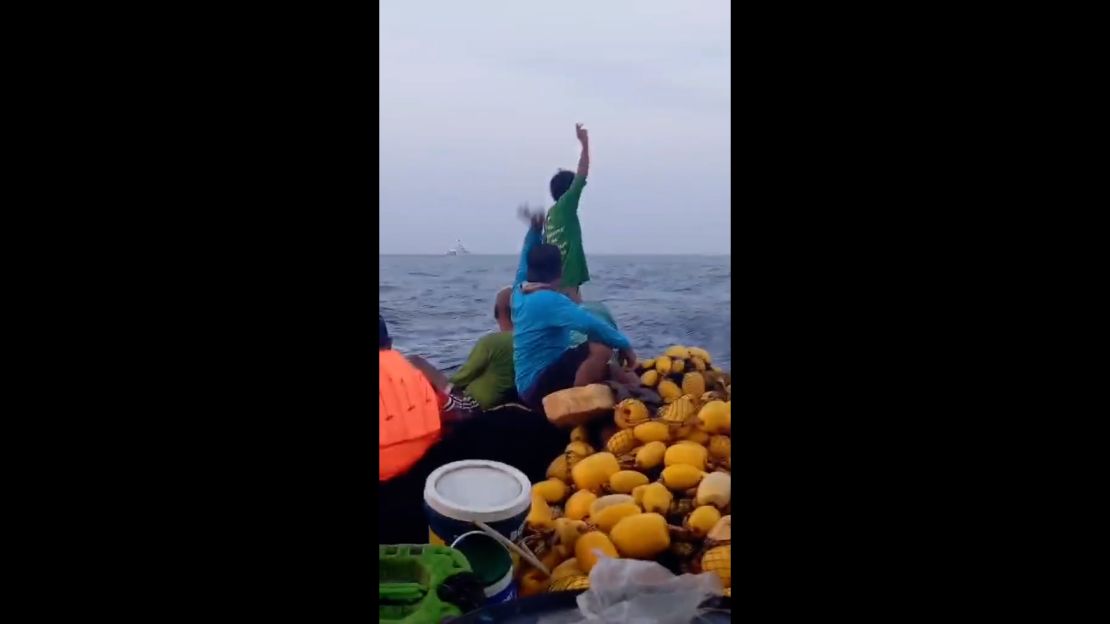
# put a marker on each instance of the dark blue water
(438, 306)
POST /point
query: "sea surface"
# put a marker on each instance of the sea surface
(439, 306)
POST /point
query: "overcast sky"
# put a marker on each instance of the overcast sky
(478, 104)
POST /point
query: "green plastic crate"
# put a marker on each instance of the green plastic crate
(409, 578)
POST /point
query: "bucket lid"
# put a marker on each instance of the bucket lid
(476, 489)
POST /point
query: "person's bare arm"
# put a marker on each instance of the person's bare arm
(584, 159)
(442, 387)
(438, 380)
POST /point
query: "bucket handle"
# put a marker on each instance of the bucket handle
(523, 551)
(459, 538)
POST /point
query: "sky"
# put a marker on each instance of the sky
(478, 104)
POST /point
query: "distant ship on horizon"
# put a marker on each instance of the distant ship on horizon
(458, 249)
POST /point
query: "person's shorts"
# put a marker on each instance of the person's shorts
(558, 376)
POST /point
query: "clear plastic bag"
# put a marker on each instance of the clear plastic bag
(628, 591)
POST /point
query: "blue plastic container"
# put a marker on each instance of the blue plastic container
(491, 562)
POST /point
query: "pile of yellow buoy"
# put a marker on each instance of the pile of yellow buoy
(660, 488)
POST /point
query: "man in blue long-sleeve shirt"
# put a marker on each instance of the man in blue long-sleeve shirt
(543, 318)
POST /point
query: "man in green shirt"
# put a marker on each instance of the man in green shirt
(488, 376)
(565, 232)
(562, 228)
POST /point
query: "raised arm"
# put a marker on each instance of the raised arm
(531, 239)
(584, 159)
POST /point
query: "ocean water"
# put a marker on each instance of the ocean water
(439, 306)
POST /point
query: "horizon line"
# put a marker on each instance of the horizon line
(591, 254)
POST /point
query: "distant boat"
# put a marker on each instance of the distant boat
(458, 249)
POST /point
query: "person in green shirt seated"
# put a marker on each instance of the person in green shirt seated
(488, 376)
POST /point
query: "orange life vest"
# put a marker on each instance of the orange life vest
(408, 414)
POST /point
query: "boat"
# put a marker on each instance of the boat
(458, 249)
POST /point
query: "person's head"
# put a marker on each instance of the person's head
(545, 264)
(384, 341)
(502, 309)
(560, 182)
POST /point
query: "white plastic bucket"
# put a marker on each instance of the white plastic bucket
(461, 493)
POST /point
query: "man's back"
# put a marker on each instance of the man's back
(539, 336)
(408, 414)
(565, 232)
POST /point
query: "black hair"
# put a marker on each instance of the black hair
(545, 264)
(383, 335)
(560, 182)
